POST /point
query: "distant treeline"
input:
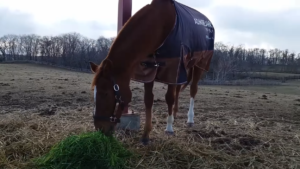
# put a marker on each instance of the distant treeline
(75, 50)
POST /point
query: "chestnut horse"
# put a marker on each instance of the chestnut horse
(141, 35)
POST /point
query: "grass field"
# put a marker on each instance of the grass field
(272, 74)
(236, 127)
(277, 74)
(291, 88)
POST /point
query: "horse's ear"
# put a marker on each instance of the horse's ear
(106, 67)
(93, 67)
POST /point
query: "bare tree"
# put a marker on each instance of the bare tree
(3, 46)
(75, 50)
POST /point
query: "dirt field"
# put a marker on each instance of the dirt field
(235, 127)
(274, 74)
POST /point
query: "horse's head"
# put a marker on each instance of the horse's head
(106, 95)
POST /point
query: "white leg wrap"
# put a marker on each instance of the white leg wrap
(170, 120)
(191, 111)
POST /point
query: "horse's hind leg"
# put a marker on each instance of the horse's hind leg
(170, 99)
(175, 109)
(197, 74)
(148, 100)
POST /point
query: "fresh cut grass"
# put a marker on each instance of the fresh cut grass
(91, 150)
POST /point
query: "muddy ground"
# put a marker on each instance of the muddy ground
(234, 127)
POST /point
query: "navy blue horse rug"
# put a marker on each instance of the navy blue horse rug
(190, 43)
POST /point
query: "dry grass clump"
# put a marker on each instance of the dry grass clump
(26, 136)
(188, 152)
(233, 128)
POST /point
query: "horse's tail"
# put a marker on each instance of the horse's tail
(189, 78)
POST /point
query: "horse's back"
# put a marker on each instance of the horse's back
(190, 43)
(193, 30)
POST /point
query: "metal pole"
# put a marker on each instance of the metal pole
(124, 12)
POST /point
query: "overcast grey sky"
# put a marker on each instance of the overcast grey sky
(252, 23)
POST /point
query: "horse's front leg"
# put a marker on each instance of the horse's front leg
(170, 99)
(148, 100)
(175, 108)
(197, 74)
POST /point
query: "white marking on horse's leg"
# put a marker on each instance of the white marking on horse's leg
(170, 120)
(191, 112)
(95, 93)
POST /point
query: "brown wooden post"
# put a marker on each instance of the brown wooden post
(124, 12)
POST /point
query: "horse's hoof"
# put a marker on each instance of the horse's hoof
(190, 124)
(145, 141)
(170, 133)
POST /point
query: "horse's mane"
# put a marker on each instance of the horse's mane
(127, 29)
(130, 26)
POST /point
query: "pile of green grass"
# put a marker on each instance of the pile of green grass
(91, 150)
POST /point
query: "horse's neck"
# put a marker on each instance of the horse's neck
(142, 35)
(158, 1)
